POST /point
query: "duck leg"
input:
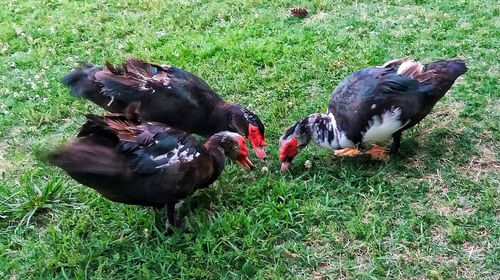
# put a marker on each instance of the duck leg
(170, 213)
(377, 152)
(396, 143)
(347, 152)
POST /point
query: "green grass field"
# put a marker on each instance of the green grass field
(432, 212)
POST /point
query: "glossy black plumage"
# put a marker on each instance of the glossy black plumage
(147, 164)
(165, 94)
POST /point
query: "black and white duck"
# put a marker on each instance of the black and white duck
(373, 105)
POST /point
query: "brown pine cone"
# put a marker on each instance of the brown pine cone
(298, 12)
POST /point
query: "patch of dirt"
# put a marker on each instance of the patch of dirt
(494, 71)
(416, 162)
(461, 206)
(330, 265)
(324, 272)
(398, 251)
(438, 205)
(4, 164)
(314, 241)
(436, 180)
(472, 268)
(443, 115)
(15, 132)
(419, 278)
(363, 258)
(444, 259)
(473, 251)
(466, 272)
(464, 207)
(482, 164)
(316, 17)
(439, 236)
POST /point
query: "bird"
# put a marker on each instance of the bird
(147, 164)
(165, 94)
(371, 106)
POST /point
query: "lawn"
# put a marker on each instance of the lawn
(431, 212)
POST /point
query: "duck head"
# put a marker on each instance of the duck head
(292, 141)
(234, 147)
(247, 123)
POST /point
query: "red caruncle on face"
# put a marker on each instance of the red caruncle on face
(243, 154)
(289, 150)
(257, 140)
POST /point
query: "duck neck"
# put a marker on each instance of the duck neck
(324, 131)
(231, 117)
(218, 157)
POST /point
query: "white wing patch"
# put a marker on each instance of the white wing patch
(410, 68)
(380, 128)
(174, 156)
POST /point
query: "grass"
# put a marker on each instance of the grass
(432, 212)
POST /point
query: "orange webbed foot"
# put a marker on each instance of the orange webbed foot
(347, 152)
(377, 153)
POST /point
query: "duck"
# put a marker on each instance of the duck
(165, 94)
(146, 164)
(373, 106)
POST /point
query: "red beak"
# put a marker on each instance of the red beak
(285, 165)
(246, 163)
(259, 152)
